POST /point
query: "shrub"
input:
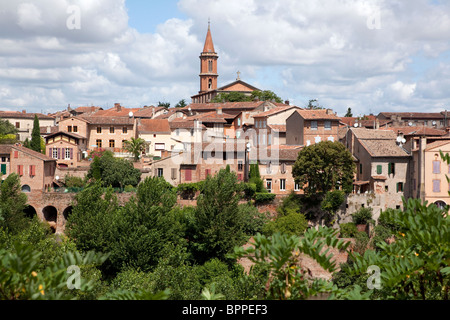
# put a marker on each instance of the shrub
(293, 224)
(262, 198)
(362, 216)
(333, 201)
(348, 230)
(289, 204)
(188, 190)
(74, 182)
(249, 190)
(129, 189)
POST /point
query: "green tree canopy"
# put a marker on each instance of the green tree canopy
(114, 172)
(324, 167)
(314, 105)
(181, 104)
(12, 204)
(7, 128)
(266, 95)
(35, 143)
(349, 113)
(218, 225)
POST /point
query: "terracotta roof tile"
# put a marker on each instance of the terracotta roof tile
(154, 126)
(317, 115)
(383, 148)
(413, 115)
(33, 153)
(274, 111)
(362, 133)
(5, 149)
(21, 115)
(278, 127)
(436, 144)
(417, 131)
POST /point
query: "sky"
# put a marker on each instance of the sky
(370, 56)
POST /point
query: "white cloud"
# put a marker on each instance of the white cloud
(300, 49)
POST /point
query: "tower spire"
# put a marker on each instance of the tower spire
(208, 64)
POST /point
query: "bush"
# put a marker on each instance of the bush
(292, 224)
(249, 190)
(254, 221)
(129, 189)
(348, 230)
(291, 203)
(262, 198)
(362, 216)
(188, 190)
(333, 201)
(74, 182)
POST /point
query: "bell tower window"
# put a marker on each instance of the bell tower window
(210, 84)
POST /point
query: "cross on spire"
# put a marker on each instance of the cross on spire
(238, 75)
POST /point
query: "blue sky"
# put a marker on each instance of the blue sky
(372, 56)
(145, 16)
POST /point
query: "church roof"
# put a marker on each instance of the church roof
(209, 45)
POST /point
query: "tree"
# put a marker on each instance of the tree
(314, 105)
(35, 143)
(12, 205)
(279, 256)
(324, 167)
(7, 128)
(164, 104)
(218, 224)
(266, 95)
(7, 132)
(416, 264)
(231, 97)
(114, 172)
(181, 104)
(349, 113)
(136, 147)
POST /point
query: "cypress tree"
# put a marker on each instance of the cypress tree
(35, 143)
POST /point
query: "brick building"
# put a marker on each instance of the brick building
(24, 122)
(69, 149)
(36, 170)
(307, 127)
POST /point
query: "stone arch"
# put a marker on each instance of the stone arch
(51, 216)
(67, 212)
(30, 212)
(26, 188)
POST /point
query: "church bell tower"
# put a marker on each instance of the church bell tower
(208, 65)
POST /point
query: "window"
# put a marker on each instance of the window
(297, 187)
(207, 172)
(160, 172)
(68, 154)
(240, 166)
(269, 185)
(125, 130)
(269, 168)
(18, 125)
(391, 168)
(436, 167)
(283, 185)
(16, 154)
(54, 153)
(269, 139)
(99, 129)
(400, 187)
(75, 128)
(327, 125)
(283, 168)
(99, 143)
(174, 174)
(69, 129)
(111, 130)
(177, 132)
(112, 143)
(386, 188)
(239, 122)
(313, 125)
(360, 168)
(238, 134)
(160, 146)
(379, 169)
(3, 159)
(436, 186)
(192, 133)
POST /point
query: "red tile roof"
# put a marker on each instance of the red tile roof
(114, 112)
(275, 111)
(21, 115)
(277, 127)
(317, 115)
(417, 131)
(33, 153)
(154, 126)
(414, 115)
(437, 144)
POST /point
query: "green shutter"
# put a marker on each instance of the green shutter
(390, 168)
(379, 169)
(3, 168)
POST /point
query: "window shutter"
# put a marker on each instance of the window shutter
(71, 153)
(436, 167)
(379, 169)
(16, 154)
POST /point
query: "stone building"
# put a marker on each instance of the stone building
(24, 122)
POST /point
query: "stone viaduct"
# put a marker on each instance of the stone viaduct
(55, 207)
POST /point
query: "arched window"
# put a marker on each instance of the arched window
(210, 84)
(26, 189)
(210, 66)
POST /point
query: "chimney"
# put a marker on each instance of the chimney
(219, 111)
(287, 102)
(118, 107)
(49, 130)
(24, 111)
(330, 111)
